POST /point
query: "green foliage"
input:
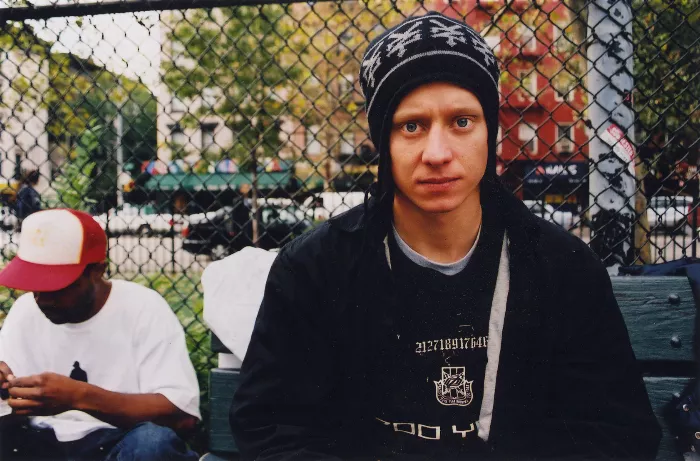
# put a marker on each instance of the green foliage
(236, 52)
(76, 187)
(81, 91)
(667, 54)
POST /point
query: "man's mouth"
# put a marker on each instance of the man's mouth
(438, 180)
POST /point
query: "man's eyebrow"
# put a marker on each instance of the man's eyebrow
(418, 113)
(408, 114)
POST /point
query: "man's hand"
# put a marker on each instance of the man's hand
(44, 394)
(5, 376)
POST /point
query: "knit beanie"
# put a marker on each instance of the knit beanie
(420, 50)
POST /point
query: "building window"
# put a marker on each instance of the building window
(528, 137)
(346, 147)
(209, 98)
(208, 136)
(177, 105)
(528, 40)
(345, 84)
(313, 146)
(494, 42)
(565, 137)
(564, 85)
(527, 80)
(562, 43)
(177, 136)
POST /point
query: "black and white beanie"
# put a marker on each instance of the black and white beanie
(419, 50)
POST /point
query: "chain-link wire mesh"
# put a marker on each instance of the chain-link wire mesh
(191, 129)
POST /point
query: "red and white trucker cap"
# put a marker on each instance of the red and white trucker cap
(55, 246)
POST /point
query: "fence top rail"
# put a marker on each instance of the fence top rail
(56, 10)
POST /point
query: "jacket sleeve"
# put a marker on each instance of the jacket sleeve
(282, 409)
(600, 394)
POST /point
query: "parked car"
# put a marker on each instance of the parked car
(229, 229)
(564, 219)
(669, 213)
(328, 204)
(135, 220)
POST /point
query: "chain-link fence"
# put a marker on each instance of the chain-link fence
(191, 129)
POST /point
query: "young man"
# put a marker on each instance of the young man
(89, 368)
(442, 320)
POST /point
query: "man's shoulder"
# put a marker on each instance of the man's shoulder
(24, 308)
(334, 239)
(138, 298)
(129, 288)
(557, 237)
(563, 250)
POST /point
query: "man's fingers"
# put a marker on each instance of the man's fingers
(5, 371)
(33, 393)
(26, 381)
(24, 404)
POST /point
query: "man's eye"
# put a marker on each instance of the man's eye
(411, 127)
(463, 122)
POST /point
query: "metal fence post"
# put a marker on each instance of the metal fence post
(612, 181)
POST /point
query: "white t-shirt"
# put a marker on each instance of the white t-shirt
(134, 345)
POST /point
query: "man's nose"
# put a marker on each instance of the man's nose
(437, 148)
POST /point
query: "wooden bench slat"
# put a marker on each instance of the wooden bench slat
(222, 385)
(661, 392)
(653, 320)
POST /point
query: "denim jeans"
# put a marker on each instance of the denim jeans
(144, 442)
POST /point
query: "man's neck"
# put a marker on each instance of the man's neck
(440, 237)
(103, 289)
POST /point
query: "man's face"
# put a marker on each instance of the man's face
(73, 304)
(438, 147)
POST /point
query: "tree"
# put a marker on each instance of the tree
(667, 54)
(81, 91)
(236, 54)
(78, 94)
(333, 37)
(77, 187)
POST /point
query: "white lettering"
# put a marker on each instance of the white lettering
(436, 432)
(412, 427)
(463, 433)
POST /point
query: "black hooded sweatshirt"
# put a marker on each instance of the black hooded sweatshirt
(314, 376)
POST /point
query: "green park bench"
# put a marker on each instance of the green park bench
(660, 317)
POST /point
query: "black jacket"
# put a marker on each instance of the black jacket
(568, 386)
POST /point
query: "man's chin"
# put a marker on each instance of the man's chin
(56, 319)
(439, 205)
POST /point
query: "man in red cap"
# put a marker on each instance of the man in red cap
(89, 368)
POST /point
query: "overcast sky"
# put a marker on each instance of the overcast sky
(127, 43)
